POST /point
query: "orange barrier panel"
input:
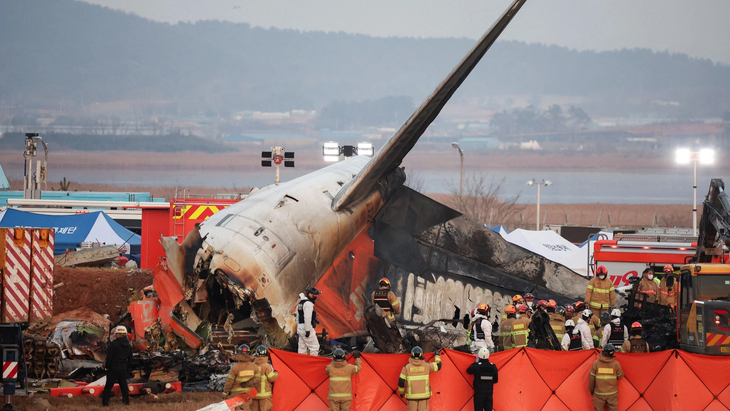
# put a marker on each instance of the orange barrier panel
(529, 380)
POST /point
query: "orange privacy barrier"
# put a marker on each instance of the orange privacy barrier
(529, 379)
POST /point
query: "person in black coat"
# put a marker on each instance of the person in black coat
(485, 376)
(118, 355)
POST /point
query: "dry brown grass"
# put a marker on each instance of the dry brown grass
(165, 402)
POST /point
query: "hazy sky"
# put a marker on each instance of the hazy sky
(700, 28)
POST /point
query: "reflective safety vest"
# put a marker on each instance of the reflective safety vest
(240, 377)
(520, 332)
(268, 376)
(340, 373)
(479, 333)
(575, 342)
(617, 334)
(415, 376)
(600, 294)
(380, 298)
(557, 323)
(300, 313)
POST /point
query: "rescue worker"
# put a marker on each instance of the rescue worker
(386, 299)
(647, 287)
(306, 321)
(118, 354)
(469, 328)
(520, 328)
(594, 323)
(414, 382)
(517, 300)
(481, 330)
(615, 332)
(263, 400)
(668, 288)
(635, 344)
(505, 335)
(557, 321)
(485, 376)
(243, 375)
(572, 341)
(605, 320)
(600, 294)
(340, 373)
(530, 301)
(569, 312)
(603, 380)
(585, 331)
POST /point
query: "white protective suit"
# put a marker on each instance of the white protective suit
(585, 334)
(487, 329)
(307, 344)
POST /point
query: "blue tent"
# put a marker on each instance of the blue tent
(72, 230)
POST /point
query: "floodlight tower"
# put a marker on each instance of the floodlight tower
(704, 156)
(538, 184)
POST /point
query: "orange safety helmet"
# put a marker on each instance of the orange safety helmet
(569, 309)
(482, 308)
(668, 269)
(552, 304)
(384, 282)
(510, 309)
(541, 304)
(636, 326)
(516, 298)
(601, 270)
(522, 309)
(580, 306)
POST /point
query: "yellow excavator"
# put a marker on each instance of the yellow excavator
(703, 309)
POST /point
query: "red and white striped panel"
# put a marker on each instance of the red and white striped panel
(10, 369)
(41, 284)
(16, 281)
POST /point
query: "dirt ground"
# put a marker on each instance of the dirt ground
(103, 290)
(165, 402)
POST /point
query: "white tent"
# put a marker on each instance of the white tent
(552, 246)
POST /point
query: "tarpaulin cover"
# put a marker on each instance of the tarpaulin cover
(72, 230)
(529, 379)
(552, 246)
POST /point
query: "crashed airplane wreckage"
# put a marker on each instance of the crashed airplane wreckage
(342, 228)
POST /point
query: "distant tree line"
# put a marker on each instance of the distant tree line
(533, 120)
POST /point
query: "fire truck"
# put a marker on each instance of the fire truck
(628, 254)
(703, 312)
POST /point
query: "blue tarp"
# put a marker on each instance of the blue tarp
(72, 230)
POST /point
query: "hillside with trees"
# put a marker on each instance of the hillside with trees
(56, 51)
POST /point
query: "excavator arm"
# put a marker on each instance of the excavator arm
(714, 229)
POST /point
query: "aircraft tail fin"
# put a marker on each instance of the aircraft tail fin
(392, 153)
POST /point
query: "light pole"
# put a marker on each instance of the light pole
(538, 183)
(461, 179)
(704, 156)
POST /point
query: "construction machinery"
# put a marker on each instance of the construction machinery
(703, 311)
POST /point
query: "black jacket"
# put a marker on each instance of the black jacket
(118, 354)
(485, 375)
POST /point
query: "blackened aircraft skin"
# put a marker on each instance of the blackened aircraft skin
(281, 239)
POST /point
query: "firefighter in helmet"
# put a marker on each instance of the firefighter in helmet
(386, 300)
(505, 335)
(635, 344)
(243, 376)
(340, 374)
(306, 321)
(614, 332)
(668, 287)
(481, 330)
(263, 400)
(414, 382)
(603, 380)
(600, 294)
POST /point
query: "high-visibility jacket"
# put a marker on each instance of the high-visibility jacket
(386, 299)
(340, 373)
(243, 375)
(604, 375)
(505, 334)
(414, 379)
(268, 376)
(649, 288)
(557, 323)
(600, 294)
(520, 332)
(668, 295)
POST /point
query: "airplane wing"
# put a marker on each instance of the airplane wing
(392, 153)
